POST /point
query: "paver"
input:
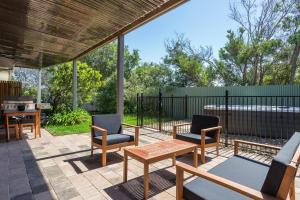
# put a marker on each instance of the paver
(42, 172)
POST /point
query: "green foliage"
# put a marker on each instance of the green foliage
(148, 79)
(261, 51)
(104, 60)
(106, 96)
(69, 117)
(187, 62)
(60, 85)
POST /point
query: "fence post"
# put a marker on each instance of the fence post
(186, 106)
(159, 110)
(172, 106)
(226, 118)
(137, 109)
(142, 109)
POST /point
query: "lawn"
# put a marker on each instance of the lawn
(81, 128)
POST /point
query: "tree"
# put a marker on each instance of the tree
(291, 28)
(250, 54)
(60, 85)
(187, 63)
(148, 79)
(28, 78)
(104, 60)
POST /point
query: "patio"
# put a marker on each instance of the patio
(61, 168)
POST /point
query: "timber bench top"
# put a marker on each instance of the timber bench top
(160, 149)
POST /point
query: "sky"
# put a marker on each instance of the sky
(204, 22)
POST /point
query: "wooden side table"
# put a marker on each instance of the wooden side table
(156, 152)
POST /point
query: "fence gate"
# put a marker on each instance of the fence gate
(268, 119)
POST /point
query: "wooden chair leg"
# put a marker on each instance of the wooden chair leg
(32, 128)
(92, 150)
(179, 183)
(292, 190)
(203, 154)
(19, 131)
(103, 157)
(217, 149)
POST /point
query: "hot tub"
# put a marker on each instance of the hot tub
(258, 120)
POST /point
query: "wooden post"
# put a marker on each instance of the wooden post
(39, 89)
(75, 100)
(159, 110)
(39, 92)
(226, 118)
(120, 76)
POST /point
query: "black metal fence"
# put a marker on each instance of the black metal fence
(265, 119)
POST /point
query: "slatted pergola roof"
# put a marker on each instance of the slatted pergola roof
(55, 31)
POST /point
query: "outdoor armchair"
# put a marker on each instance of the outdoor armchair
(107, 134)
(243, 178)
(204, 131)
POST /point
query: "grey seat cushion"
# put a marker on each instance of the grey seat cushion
(110, 122)
(279, 165)
(114, 139)
(238, 169)
(194, 138)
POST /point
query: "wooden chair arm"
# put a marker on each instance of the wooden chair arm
(244, 190)
(237, 142)
(98, 128)
(136, 132)
(212, 129)
(104, 134)
(178, 125)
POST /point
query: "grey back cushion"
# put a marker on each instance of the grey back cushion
(110, 122)
(200, 122)
(279, 165)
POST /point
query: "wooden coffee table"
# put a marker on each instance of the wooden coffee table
(155, 152)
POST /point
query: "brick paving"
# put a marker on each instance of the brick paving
(61, 168)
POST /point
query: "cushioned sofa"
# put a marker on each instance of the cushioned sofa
(242, 178)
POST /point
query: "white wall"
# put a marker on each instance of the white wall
(5, 75)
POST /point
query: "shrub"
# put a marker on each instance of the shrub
(69, 117)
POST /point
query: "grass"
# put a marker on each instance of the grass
(130, 119)
(84, 127)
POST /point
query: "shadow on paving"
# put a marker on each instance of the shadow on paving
(133, 189)
(21, 178)
(93, 162)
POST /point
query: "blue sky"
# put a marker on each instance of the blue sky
(204, 22)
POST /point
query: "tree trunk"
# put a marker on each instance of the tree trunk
(293, 62)
(255, 70)
(261, 71)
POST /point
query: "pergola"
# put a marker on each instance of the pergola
(42, 33)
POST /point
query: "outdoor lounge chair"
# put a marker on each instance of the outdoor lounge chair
(106, 133)
(243, 178)
(204, 131)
